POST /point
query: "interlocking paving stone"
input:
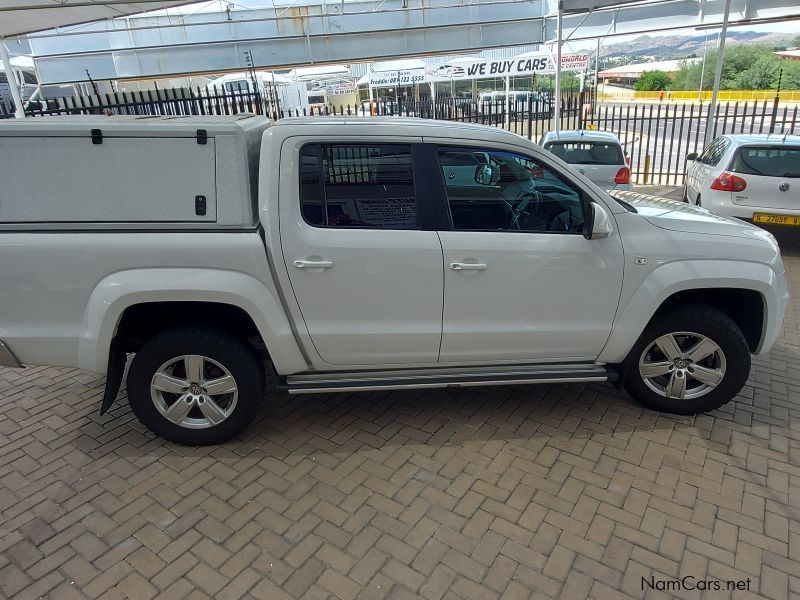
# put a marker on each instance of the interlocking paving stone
(564, 491)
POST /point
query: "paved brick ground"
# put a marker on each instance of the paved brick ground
(570, 491)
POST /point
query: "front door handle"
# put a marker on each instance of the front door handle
(313, 264)
(459, 266)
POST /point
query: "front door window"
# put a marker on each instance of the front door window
(492, 190)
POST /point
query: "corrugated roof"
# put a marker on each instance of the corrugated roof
(795, 54)
(18, 17)
(636, 70)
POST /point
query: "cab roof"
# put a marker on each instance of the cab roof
(400, 126)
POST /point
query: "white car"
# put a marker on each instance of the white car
(596, 154)
(352, 254)
(751, 177)
(449, 71)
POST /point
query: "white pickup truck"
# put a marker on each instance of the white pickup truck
(348, 255)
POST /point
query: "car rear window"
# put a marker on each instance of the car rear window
(769, 161)
(587, 153)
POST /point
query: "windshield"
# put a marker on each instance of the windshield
(767, 161)
(240, 85)
(587, 153)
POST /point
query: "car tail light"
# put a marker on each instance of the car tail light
(623, 175)
(728, 182)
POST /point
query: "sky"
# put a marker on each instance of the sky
(789, 27)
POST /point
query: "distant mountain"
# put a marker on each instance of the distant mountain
(680, 46)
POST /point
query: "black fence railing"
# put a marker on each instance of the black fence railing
(6, 109)
(519, 111)
(169, 102)
(656, 137)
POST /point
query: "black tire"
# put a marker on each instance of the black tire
(706, 321)
(697, 201)
(233, 353)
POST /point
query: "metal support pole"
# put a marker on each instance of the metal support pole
(557, 91)
(702, 70)
(597, 73)
(369, 83)
(508, 106)
(717, 73)
(11, 76)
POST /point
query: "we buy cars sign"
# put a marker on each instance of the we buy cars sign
(393, 78)
(501, 67)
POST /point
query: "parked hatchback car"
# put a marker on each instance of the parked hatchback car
(596, 154)
(751, 177)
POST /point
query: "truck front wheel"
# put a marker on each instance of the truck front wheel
(196, 386)
(689, 360)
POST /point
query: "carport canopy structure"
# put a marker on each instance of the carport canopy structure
(597, 17)
(18, 17)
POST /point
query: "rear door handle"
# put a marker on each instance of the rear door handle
(458, 266)
(313, 264)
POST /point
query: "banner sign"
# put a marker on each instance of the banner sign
(544, 64)
(391, 78)
(343, 87)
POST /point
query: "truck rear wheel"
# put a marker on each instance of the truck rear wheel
(689, 360)
(196, 386)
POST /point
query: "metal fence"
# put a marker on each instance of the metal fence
(518, 115)
(656, 137)
(170, 102)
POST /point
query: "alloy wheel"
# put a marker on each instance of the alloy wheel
(682, 365)
(194, 391)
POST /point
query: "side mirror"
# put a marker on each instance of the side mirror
(484, 174)
(691, 156)
(599, 223)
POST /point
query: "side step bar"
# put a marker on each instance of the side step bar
(332, 381)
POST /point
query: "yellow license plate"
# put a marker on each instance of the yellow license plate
(776, 219)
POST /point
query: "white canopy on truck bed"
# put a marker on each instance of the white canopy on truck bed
(133, 172)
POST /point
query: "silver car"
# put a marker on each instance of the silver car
(596, 154)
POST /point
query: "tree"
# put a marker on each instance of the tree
(748, 67)
(652, 80)
(791, 74)
(569, 81)
(761, 75)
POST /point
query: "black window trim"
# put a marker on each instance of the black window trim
(426, 220)
(445, 203)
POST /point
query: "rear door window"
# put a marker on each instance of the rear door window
(767, 161)
(354, 185)
(588, 153)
